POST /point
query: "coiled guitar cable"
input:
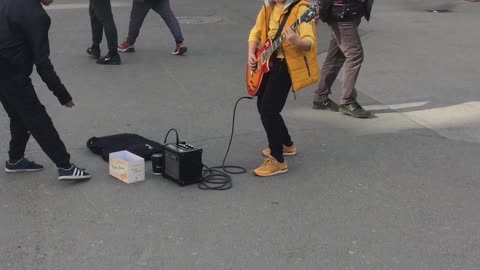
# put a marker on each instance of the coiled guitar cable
(219, 177)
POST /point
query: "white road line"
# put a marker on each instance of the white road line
(82, 6)
(396, 106)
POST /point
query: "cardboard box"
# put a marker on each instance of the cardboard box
(127, 167)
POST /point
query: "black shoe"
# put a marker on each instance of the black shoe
(72, 173)
(110, 59)
(327, 105)
(355, 110)
(94, 52)
(23, 165)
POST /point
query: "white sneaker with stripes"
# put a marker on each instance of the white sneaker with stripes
(73, 173)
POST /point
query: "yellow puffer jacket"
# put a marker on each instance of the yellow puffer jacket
(302, 65)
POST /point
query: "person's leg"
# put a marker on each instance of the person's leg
(351, 45)
(271, 102)
(260, 92)
(286, 139)
(35, 118)
(288, 147)
(162, 7)
(137, 16)
(97, 26)
(19, 139)
(274, 97)
(18, 131)
(331, 67)
(103, 11)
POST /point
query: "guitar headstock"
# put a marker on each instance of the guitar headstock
(310, 14)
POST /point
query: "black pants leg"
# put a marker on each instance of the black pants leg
(270, 103)
(18, 132)
(28, 116)
(101, 17)
(97, 26)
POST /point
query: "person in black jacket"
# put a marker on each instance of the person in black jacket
(101, 18)
(345, 50)
(24, 27)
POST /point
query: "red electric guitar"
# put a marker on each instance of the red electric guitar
(254, 77)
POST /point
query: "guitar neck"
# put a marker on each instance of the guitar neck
(278, 42)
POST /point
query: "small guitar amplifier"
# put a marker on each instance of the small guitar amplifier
(182, 163)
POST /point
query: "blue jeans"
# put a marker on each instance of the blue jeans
(140, 11)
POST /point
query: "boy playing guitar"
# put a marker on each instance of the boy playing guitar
(293, 65)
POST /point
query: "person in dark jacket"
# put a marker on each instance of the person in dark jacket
(101, 18)
(345, 50)
(24, 27)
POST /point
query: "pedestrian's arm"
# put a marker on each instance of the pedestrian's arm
(36, 29)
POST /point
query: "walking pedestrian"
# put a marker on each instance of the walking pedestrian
(101, 19)
(345, 50)
(140, 9)
(24, 26)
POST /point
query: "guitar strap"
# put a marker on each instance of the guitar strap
(284, 20)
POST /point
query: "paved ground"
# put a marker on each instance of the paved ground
(399, 191)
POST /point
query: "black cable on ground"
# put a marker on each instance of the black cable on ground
(218, 177)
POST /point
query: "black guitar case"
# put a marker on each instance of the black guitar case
(133, 143)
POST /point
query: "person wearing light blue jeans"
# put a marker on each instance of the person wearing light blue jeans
(139, 11)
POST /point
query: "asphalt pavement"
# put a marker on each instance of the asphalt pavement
(398, 191)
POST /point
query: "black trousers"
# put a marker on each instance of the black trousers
(28, 116)
(101, 18)
(271, 100)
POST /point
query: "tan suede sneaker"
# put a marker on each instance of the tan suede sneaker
(271, 166)
(287, 151)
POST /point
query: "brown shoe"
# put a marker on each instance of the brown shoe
(287, 151)
(271, 166)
